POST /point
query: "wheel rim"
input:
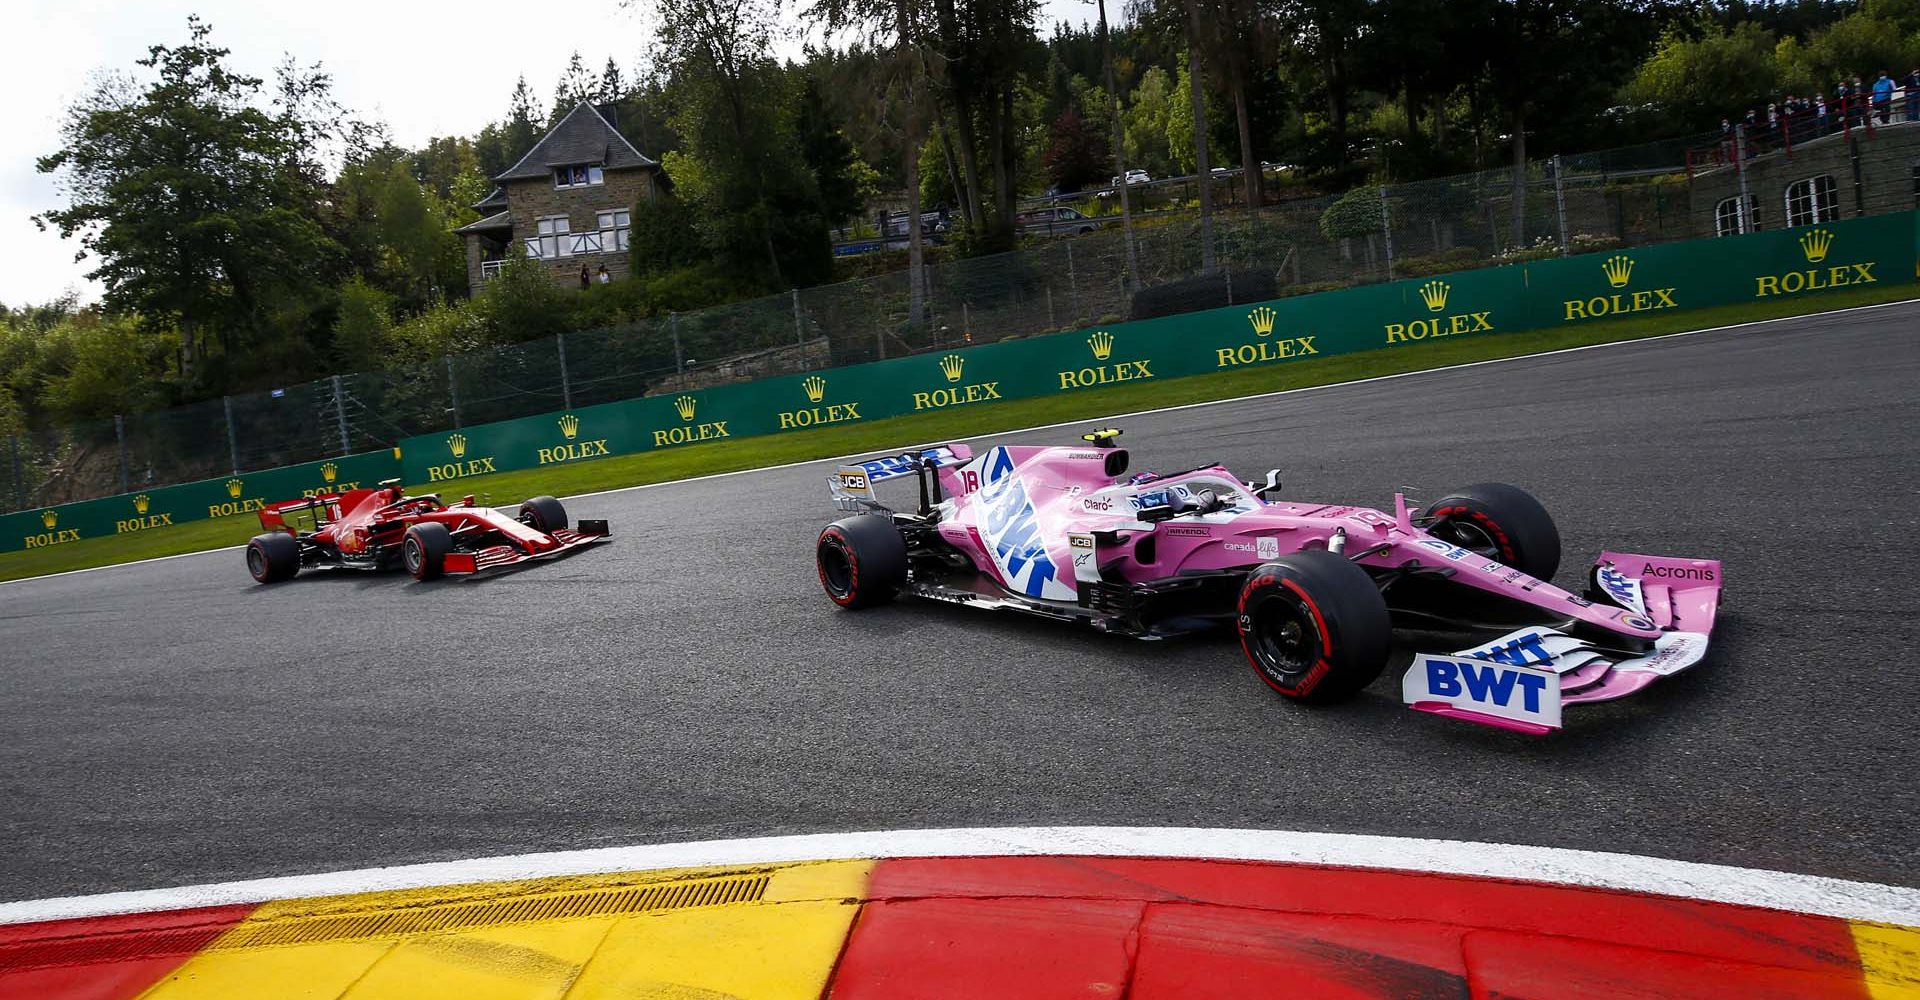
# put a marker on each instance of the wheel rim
(835, 570)
(415, 558)
(531, 519)
(1284, 637)
(256, 562)
(1470, 536)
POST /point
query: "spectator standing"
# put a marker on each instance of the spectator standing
(1913, 95)
(1861, 98)
(603, 277)
(1883, 96)
(586, 280)
(1843, 105)
(1820, 114)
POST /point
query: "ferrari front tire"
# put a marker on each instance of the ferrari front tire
(1314, 626)
(273, 557)
(862, 560)
(1503, 523)
(543, 514)
(426, 548)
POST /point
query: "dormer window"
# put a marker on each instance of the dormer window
(577, 176)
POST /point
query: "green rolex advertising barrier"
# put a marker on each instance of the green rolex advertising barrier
(1399, 315)
(169, 505)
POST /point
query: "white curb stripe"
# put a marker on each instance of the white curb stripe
(867, 453)
(1810, 894)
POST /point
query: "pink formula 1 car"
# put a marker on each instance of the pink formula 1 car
(1313, 589)
(384, 528)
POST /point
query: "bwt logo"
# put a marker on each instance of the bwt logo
(1485, 683)
(815, 387)
(1619, 270)
(569, 426)
(1102, 345)
(1262, 319)
(684, 406)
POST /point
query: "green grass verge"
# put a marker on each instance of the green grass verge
(749, 453)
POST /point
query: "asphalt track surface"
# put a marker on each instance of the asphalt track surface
(172, 723)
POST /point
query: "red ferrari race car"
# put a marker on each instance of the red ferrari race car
(384, 528)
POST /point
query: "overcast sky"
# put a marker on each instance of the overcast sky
(425, 67)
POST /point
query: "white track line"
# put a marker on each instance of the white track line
(1716, 883)
(1086, 420)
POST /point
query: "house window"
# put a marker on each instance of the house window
(1810, 201)
(578, 176)
(614, 228)
(552, 240)
(1726, 217)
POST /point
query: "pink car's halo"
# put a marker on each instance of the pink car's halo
(1312, 589)
(384, 528)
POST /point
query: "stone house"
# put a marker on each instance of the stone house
(1835, 176)
(567, 203)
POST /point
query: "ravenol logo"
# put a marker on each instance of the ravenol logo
(49, 518)
(815, 388)
(457, 444)
(1102, 344)
(569, 426)
(1619, 270)
(684, 406)
(235, 488)
(329, 472)
(1434, 294)
(951, 366)
(1815, 243)
(140, 504)
(1262, 319)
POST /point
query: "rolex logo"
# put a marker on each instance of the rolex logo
(49, 518)
(1434, 294)
(329, 472)
(1815, 243)
(816, 388)
(684, 404)
(457, 444)
(1102, 344)
(951, 365)
(1619, 270)
(140, 503)
(1262, 319)
(234, 486)
(569, 426)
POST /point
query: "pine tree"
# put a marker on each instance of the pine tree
(576, 85)
(613, 87)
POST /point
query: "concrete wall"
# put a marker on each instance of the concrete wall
(1887, 158)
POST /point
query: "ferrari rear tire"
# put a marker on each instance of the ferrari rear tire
(425, 549)
(862, 560)
(273, 557)
(1504, 523)
(543, 513)
(1314, 626)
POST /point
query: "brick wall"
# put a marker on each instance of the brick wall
(529, 201)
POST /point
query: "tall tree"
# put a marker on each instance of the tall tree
(193, 198)
(612, 86)
(576, 85)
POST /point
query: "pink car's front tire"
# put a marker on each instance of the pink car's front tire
(1314, 626)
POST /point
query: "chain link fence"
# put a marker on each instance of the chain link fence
(1653, 193)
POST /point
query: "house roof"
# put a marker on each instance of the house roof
(498, 220)
(583, 136)
(496, 198)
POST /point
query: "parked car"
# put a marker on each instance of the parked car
(1135, 176)
(1056, 222)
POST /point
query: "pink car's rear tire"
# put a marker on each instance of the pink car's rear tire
(1314, 626)
(862, 560)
